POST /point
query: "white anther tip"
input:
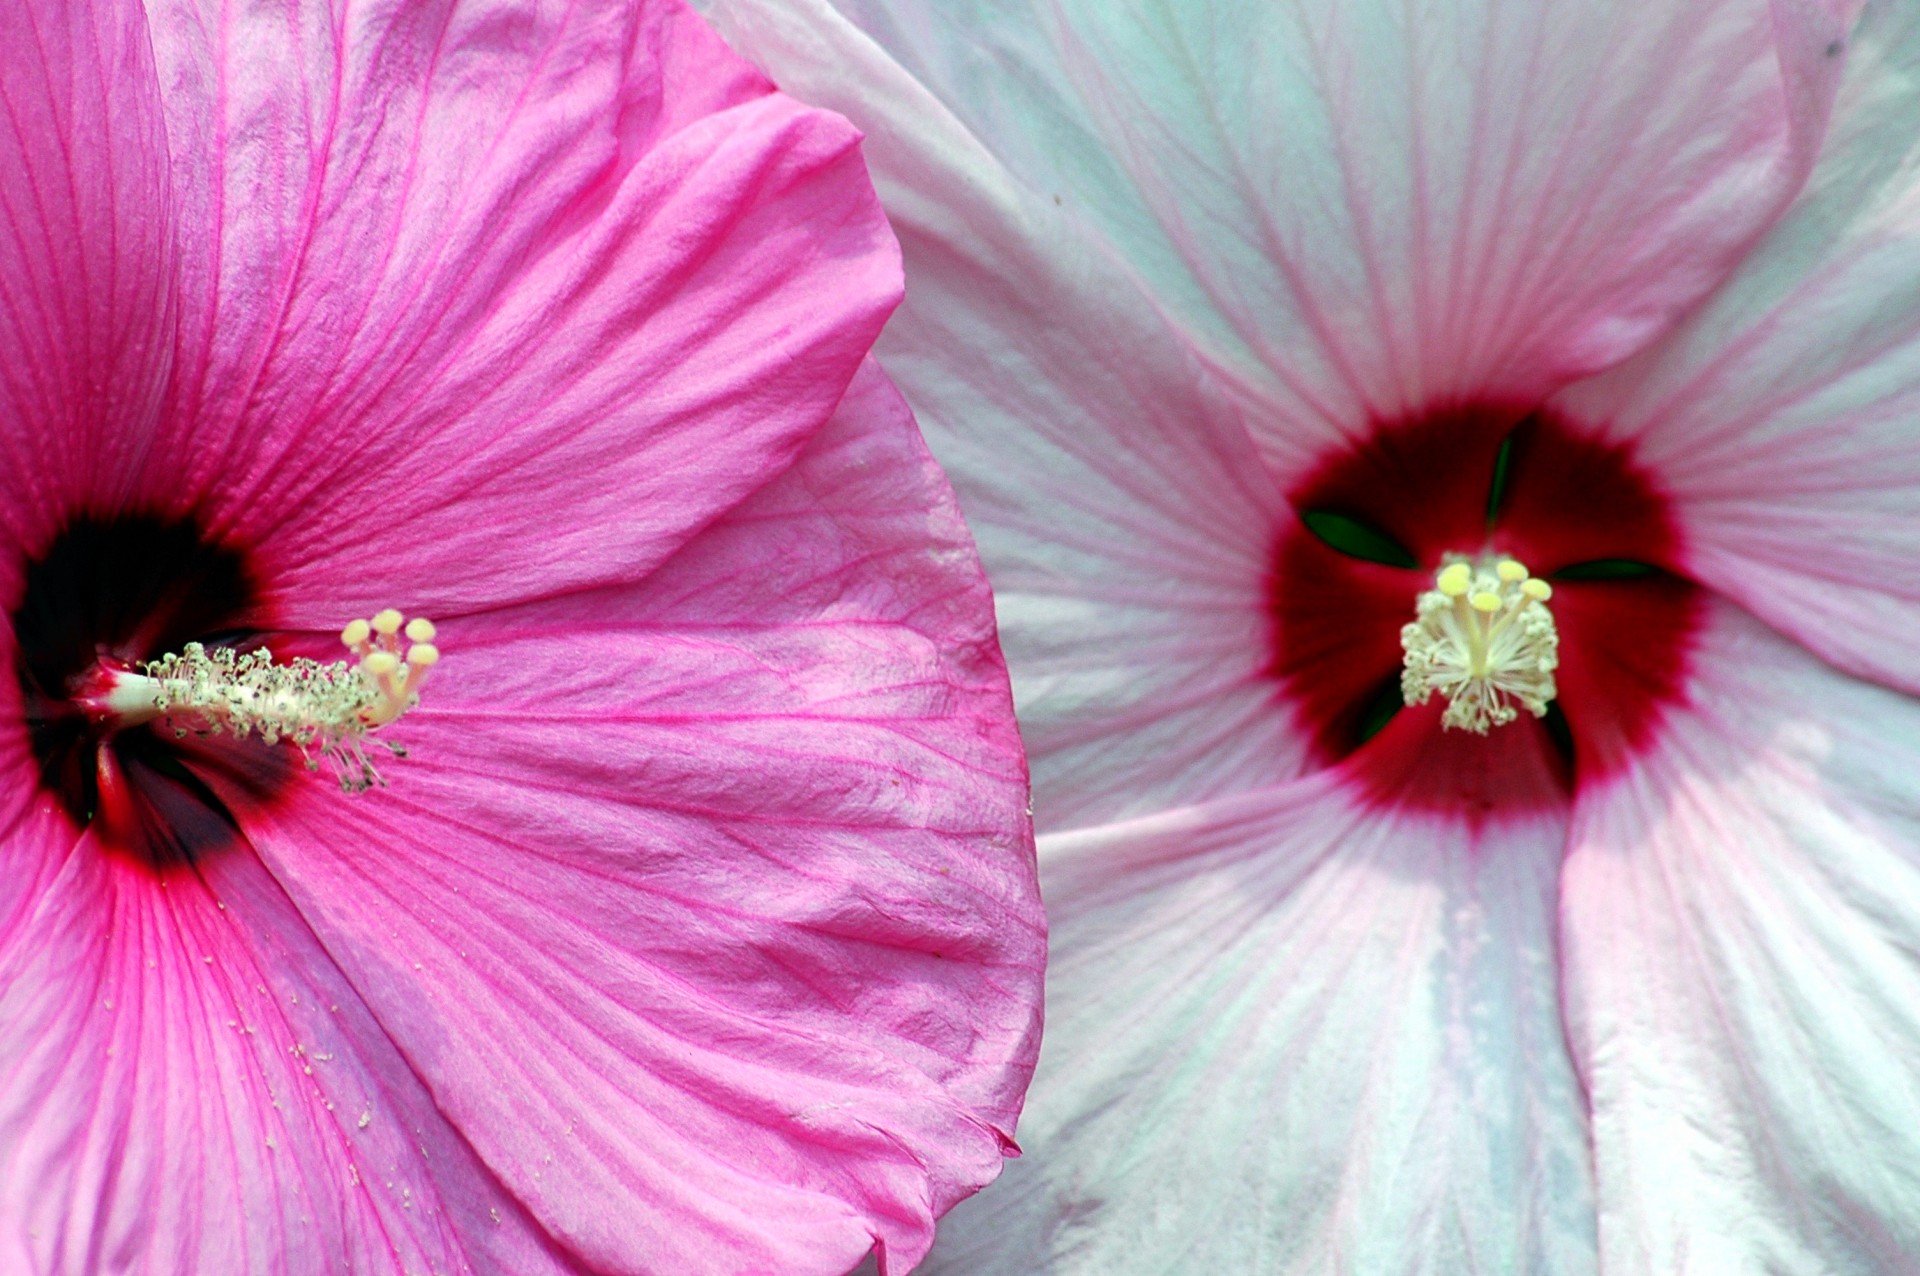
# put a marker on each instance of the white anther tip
(1510, 571)
(355, 633)
(420, 629)
(1537, 589)
(380, 662)
(387, 622)
(423, 655)
(1485, 600)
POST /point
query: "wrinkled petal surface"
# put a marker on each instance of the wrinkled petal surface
(733, 948)
(1111, 482)
(1337, 214)
(1744, 996)
(1069, 343)
(703, 933)
(1781, 418)
(188, 1084)
(1360, 208)
(577, 262)
(1288, 1035)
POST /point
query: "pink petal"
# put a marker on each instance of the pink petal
(1290, 1034)
(187, 1084)
(1744, 997)
(1111, 480)
(1112, 516)
(36, 834)
(715, 885)
(1113, 485)
(85, 249)
(470, 290)
(1782, 416)
(1355, 213)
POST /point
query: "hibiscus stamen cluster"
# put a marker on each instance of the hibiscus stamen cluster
(1484, 640)
(326, 710)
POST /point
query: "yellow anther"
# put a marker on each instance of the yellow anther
(420, 629)
(327, 711)
(1489, 659)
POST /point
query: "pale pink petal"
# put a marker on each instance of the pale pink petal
(1743, 989)
(1782, 417)
(1112, 485)
(543, 257)
(1111, 480)
(187, 1084)
(1287, 1034)
(1360, 212)
(717, 886)
(85, 250)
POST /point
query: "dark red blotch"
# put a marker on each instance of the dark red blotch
(128, 589)
(1569, 498)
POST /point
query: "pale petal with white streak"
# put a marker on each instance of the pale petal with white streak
(1290, 1035)
(1743, 983)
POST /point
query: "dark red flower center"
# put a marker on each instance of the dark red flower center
(122, 591)
(1376, 522)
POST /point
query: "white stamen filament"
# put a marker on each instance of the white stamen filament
(325, 710)
(1485, 641)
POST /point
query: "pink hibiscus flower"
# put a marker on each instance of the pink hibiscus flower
(696, 930)
(1239, 325)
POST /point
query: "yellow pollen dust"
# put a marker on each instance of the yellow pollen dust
(1485, 640)
(327, 711)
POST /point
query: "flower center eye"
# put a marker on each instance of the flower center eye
(1469, 511)
(148, 701)
(327, 711)
(1485, 641)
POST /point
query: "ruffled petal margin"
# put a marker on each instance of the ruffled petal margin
(486, 302)
(718, 889)
(1111, 482)
(1781, 417)
(1358, 213)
